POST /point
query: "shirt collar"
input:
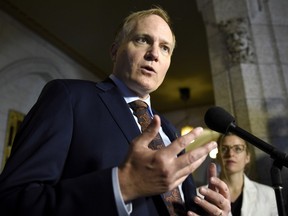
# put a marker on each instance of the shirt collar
(127, 94)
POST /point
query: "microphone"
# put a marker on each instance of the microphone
(218, 119)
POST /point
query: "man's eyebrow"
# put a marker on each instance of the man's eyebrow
(148, 36)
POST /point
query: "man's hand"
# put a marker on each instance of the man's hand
(147, 172)
(217, 196)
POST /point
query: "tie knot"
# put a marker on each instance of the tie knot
(140, 110)
(138, 104)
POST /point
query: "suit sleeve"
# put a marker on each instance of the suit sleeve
(32, 184)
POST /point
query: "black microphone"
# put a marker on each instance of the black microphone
(218, 119)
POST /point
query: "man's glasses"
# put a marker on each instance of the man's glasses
(235, 148)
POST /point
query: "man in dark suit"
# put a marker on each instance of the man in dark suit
(80, 150)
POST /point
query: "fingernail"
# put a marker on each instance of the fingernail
(198, 129)
(213, 144)
(203, 189)
(213, 180)
(197, 199)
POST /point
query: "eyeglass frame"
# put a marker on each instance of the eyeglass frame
(233, 147)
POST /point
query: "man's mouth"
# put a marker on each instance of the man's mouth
(148, 68)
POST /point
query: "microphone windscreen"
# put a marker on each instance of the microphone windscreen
(218, 119)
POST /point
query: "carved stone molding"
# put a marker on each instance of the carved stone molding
(237, 40)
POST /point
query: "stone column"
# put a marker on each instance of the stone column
(248, 50)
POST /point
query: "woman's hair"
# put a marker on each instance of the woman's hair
(130, 21)
(249, 168)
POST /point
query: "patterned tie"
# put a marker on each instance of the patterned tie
(172, 198)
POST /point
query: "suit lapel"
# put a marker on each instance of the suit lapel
(116, 105)
(118, 109)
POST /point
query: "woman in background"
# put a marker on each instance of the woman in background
(248, 198)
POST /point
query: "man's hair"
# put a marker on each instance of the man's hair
(130, 21)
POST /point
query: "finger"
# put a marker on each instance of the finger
(182, 142)
(212, 172)
(219, 199)
(190, 213)
(192, 158)
(190, 161)
(221, 186)
(212, 196)
(209, 207)
(149, 133)
(182, 174)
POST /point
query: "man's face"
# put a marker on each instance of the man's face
(142, 60)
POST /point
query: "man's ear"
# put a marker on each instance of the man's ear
(113, 51)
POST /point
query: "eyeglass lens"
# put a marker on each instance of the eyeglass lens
(235, 148)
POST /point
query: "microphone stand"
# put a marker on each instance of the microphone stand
(277, 185)
(279, 157)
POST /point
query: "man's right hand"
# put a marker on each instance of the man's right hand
(147, 172)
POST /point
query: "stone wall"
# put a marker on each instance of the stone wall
(248, 50)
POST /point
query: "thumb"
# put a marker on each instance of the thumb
(149, 133)
(154, 126)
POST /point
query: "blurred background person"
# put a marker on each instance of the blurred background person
(248, 197)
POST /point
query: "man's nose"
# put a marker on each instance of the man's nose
(152, 53)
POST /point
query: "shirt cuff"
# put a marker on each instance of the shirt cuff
(122, 208)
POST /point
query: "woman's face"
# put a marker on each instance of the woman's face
(234, 154)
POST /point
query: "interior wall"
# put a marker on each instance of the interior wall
(27, 63)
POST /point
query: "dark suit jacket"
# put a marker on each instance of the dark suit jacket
(63, 154)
